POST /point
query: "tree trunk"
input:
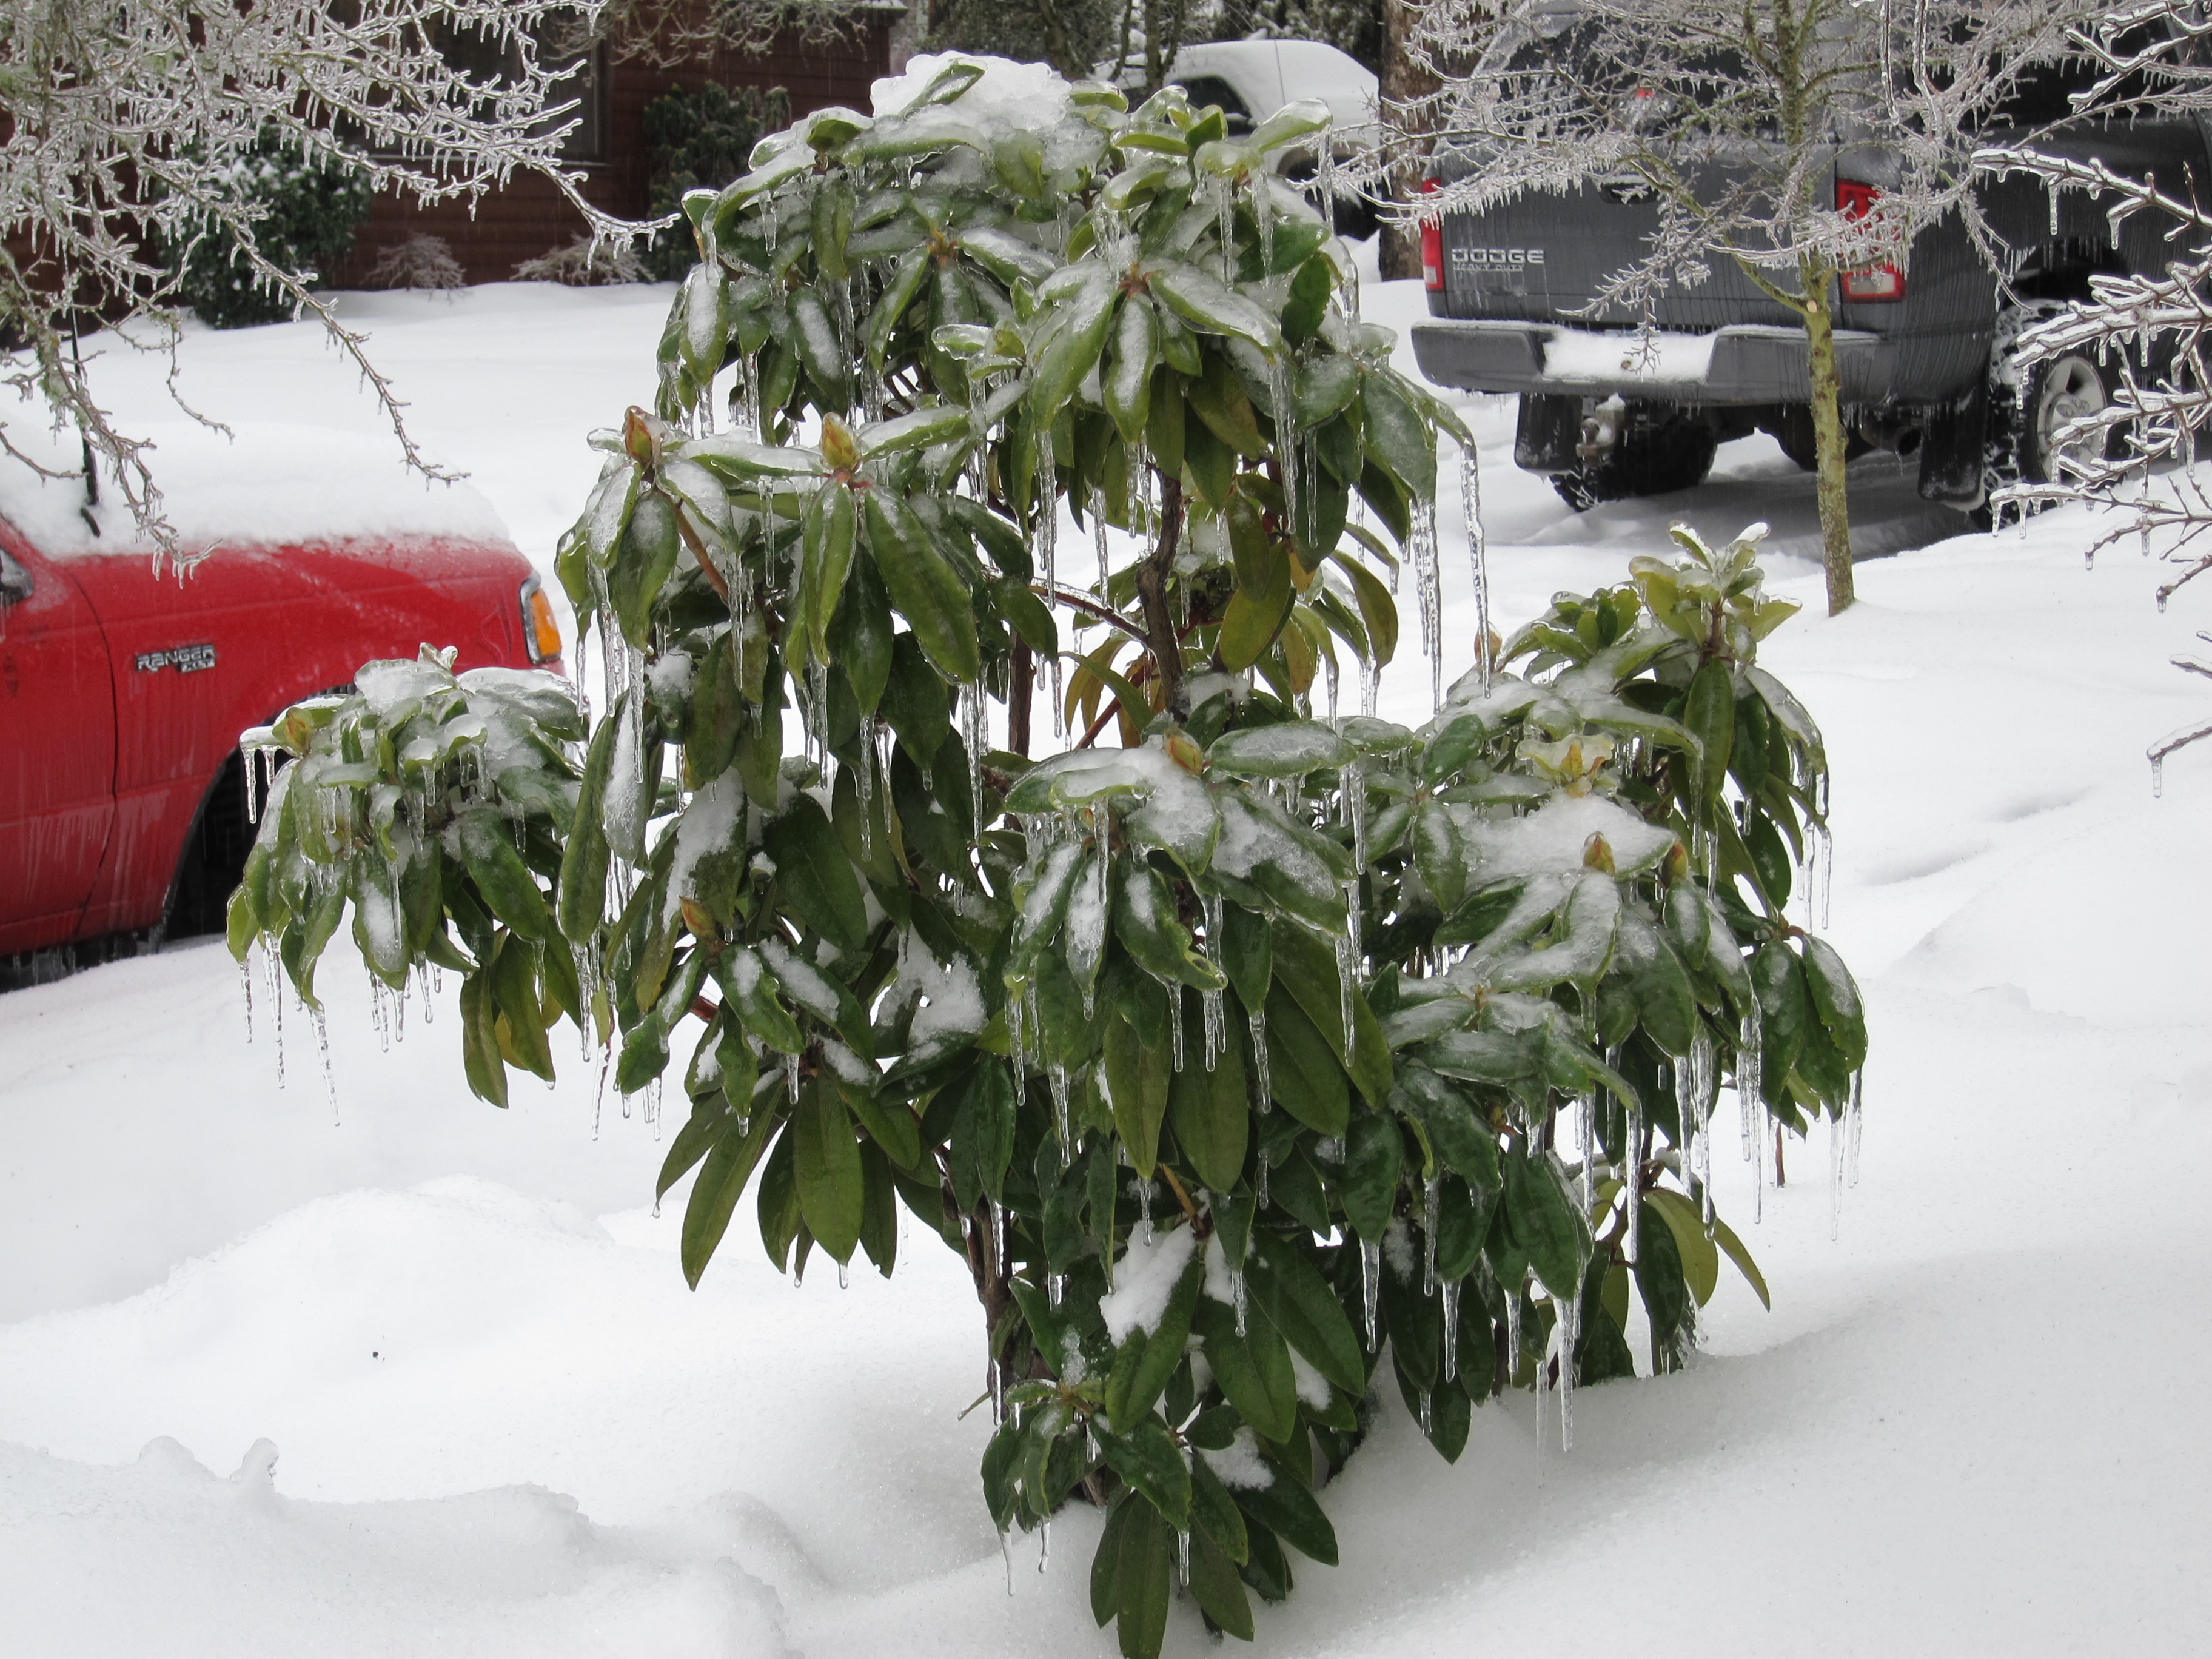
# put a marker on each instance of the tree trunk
(1404, 81)
(1828, 439)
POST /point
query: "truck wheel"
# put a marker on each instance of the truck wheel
(214, 857)
(2031, 406)
(2058, 390)
(1659, 449)
(1792, 431)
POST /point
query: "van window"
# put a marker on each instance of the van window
(1205, 89)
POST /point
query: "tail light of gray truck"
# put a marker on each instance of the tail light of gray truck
(1432, 247)
(1884, 283)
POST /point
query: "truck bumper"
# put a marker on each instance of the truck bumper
(1748, 363)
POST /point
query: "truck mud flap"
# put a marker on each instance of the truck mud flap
(1550, 428)
(1952, 450)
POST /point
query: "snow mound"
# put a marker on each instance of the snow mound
(231, 1567)
(1010, 97)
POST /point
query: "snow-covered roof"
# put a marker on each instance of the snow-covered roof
(1269, 74)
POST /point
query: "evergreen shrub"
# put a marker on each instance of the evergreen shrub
(304, 211)
(1268, 1059)
(700, 140)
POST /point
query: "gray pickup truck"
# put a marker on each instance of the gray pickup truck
(1921, 352)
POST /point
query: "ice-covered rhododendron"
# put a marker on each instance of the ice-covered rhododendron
(1244, 1040)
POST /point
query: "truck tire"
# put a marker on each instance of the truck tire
(1660, 448)
(214, 857)
(1792, 431)
(2056, 390)
(2030, 405)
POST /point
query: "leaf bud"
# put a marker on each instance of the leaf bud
(638, 437)
(837, 445)
(1597, 853)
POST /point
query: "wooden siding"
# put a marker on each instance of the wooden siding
(529, 217)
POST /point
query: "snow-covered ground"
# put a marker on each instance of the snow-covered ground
(1973, 1423)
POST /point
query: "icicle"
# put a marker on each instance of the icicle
(1046, 517)
(1174, 1021)
(1852, 1118)
(1354, 778)
(998, 1238)
(1632, 1175)
(864, 783)
(1216, 1035)
(1835, 1178)
(1057, 1075)
(1263, 212)
(1348, 961)
(1145, 1204)
(1225, 202)
(1478, 556)
(1182, 1557)
(748, 389)
(1325, 183)
(1371, 682)
(330, 1075)
(1428, 1422)
(1278, 395)
(1098, 538)
(2157, 776)
(1586, 1142)
(1819, 863)
(843, 1282)
(817, 712)
(1260, 1182)
(972, 733)
(1044, 1534)
(1332, 674)
(1570, 1330)
(1237, 1298)
(791, 1077)
(1006, 1550)
(1423, 548)
(1451, 1294)
(1431, 1204)
(1257, 1024)
(1055, 1286)
(246, 985)
(1371, 1284)
(2051, 192)
(1749, 1056)
(1513, 1331)
(1016, 1031)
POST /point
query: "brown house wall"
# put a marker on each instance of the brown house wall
(529, 216)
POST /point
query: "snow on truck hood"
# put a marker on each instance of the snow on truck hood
(1269, 74)
(266, 482)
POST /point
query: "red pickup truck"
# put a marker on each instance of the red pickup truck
(122, 694)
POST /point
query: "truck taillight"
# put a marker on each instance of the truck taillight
(1854, 200)
(1432, 247)
(541, 633)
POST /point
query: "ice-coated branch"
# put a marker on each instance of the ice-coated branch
(131, 129)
